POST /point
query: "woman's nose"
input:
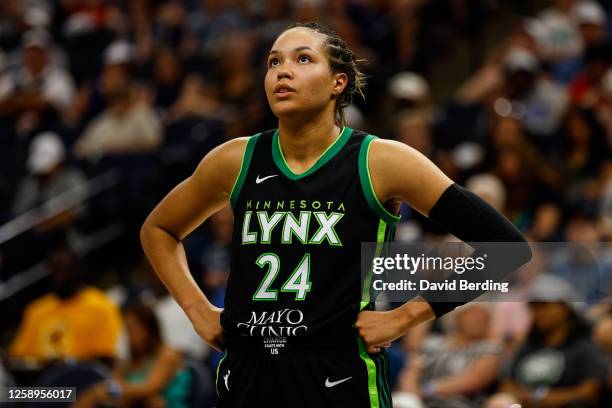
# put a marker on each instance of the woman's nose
(283, 73)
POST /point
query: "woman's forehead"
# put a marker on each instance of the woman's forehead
(296, 38)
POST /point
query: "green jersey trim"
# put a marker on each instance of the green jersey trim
(244, 167)
(372, 376)
(217, 372)
(375, 364)
(368, 188)
(328, 154)
(381, 238)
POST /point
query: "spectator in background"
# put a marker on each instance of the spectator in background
(48, 176)
(538, 102)
(73, 321)
(128, 125)
(489, 188)
(413, 129)
(584, 88)
(546, 224)
(196, 101)
(153, 377)
(214, 20)
(506, 131)
(558, 365)
(516, 167)
(116, 73)
(237, 82)
(86, 28)
(167, 77)
(40, 92)
(408, 92)
(459, 366)
(168, 25)
(584, 147)
(54, 191)
(513, 85)
(603, 105)
(589, 21)
(556, 34)
(175, 328)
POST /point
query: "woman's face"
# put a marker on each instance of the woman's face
(474, 322)
(137, 334)
(299, 81)
(548, 315)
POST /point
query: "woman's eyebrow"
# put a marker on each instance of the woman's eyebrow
(302, 48)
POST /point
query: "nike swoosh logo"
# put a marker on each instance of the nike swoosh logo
(330, 384)
(262, 179)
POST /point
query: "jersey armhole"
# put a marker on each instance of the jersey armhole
(367, 187)
(244, 168)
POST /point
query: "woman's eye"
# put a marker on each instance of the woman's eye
(304, 58)
(273, 62)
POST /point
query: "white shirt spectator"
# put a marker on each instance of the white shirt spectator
(138, 130)
(176, 329)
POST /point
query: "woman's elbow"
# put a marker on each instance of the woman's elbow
(524, 253)
(147, 230)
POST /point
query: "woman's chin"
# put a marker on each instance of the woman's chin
(286, 112)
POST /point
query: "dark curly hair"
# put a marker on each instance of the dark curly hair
(341, 59)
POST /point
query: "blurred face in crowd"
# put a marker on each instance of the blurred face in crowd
(592, 33)
(167, 68)
(237, 53)
(414, 131)
(299, 61)
(114, 78)
(546, 220)
(507, 132)
(64, 274)
(548, 316)
(581, 229)
(138, 335)
(510, 165)
(474, 322)
(35, 59)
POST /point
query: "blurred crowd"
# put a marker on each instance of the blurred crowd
(107, 104)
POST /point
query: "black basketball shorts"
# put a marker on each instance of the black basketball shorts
(304, 380)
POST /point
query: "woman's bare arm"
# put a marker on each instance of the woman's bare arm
(186, 207)
(400, 173)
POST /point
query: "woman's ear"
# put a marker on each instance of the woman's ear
(340, 82)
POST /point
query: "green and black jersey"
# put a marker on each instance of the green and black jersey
(295, 290)
(295, 261)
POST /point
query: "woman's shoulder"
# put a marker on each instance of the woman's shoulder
(228, 154)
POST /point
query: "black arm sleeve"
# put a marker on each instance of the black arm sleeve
(469, 218)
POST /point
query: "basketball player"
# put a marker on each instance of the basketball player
(294, 329)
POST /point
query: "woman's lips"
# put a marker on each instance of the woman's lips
(283, 93)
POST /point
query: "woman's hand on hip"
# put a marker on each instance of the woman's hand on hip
(206, 320)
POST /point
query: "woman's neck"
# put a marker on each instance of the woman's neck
(302, 144)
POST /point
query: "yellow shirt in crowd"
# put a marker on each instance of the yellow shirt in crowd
(83, 327)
